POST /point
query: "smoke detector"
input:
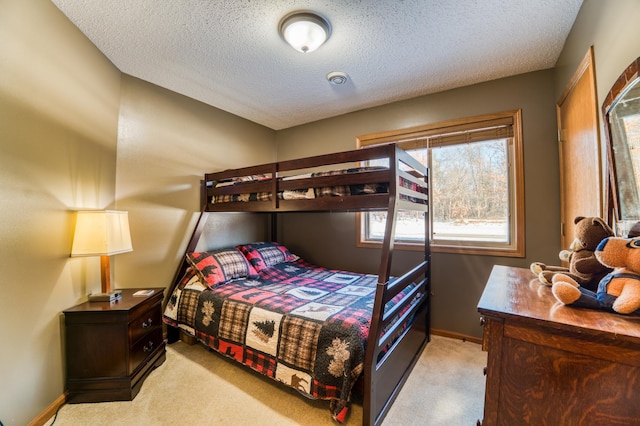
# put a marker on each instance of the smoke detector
(337, 77)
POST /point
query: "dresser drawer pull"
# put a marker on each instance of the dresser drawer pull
(148, 347)
(147, 323)
(482, 321)
(484, 371)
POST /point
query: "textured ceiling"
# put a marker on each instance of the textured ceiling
(228, 53)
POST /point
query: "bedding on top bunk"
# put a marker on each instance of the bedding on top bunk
(310, 193)
(300, 324)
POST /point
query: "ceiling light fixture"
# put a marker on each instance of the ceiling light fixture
(305, 31)
(337, 77)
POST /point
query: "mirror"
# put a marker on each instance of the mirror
(621, 112)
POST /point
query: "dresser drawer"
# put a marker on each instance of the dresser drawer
(146, 323)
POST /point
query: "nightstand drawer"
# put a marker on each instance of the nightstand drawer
(145, 347)
(146, 323)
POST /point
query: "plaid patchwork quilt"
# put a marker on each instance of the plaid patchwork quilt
(300, 324)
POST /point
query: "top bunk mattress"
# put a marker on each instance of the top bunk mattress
(288, 186)
(303, 193)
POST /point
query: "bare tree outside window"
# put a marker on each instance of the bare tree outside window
(470, 191)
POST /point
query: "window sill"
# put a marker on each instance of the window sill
(439, 248)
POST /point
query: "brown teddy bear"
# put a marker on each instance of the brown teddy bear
(583, 268)
(618, 291)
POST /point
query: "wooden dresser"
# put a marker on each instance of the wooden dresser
(550, 364)
(112, 347)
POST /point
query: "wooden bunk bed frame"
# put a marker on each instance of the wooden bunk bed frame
(389, 356)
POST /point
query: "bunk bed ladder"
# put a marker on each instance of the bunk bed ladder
(378, 397)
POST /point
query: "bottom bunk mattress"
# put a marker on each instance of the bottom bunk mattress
(300, 324)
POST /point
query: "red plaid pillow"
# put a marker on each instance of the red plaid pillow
(219, 266)
(266, 255)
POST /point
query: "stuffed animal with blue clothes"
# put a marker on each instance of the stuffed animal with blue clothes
(583, 268)
(619, 291)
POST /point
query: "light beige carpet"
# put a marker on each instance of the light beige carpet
(197, 387)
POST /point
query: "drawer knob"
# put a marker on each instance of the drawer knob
(148, 347)
(484, 371)
(147, 323)
(482, 321)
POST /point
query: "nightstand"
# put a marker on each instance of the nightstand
(111, 347)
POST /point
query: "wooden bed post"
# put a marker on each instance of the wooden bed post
(274, 226)
(173, 333)
(370, 412)
(390, 227)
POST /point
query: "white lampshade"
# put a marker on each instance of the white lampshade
(101, 233)
(305, 31)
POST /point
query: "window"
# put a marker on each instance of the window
(476, 187)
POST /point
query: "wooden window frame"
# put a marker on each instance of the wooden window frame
(449, 132)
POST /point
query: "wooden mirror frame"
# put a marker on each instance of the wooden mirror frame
(612, 200)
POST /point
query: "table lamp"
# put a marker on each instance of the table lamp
(102, 233)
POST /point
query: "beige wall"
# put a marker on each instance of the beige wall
(59, 100)
(457, 280)
(166, 144)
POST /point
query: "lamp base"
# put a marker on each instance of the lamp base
(112, 296)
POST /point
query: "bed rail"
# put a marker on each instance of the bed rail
(397, 337)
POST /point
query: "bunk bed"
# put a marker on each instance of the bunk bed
(391, 331)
